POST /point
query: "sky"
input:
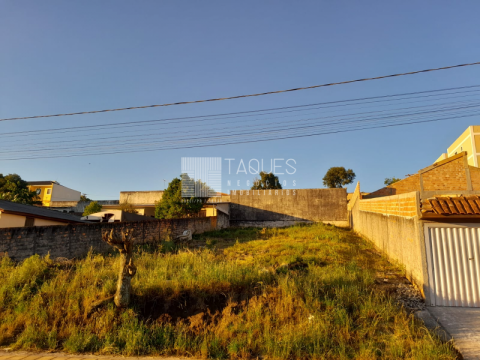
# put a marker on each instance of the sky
(70, 56)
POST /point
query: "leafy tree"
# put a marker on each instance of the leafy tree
(390, 181)
(337, 177)
(14, 189)
(173, 205)
(84, 198)
(266, 181)
(128, 207)
(92, 208)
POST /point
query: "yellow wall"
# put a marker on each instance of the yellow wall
(10, 220)
(44, 197)
(442, 157)
(460, 142)
(466, 142)
(211, 211)
(43, 222)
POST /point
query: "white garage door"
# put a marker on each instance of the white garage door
(453, 259)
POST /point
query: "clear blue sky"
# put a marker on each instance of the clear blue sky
(67, 56)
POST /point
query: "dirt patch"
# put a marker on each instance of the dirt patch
(187, 306)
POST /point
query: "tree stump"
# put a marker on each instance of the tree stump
(124, 244)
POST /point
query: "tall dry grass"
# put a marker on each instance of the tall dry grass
(305, 292)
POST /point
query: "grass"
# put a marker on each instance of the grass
(304, 292)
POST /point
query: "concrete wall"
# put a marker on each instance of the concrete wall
(392, 224)
(77, 206)
(276, 208)
(223, 220)
(141, 197)
(76, 240)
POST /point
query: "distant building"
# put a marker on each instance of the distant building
(142, 201)
(50, 192)
(114, 216)
(19, 215)
(145, 201)
(469, 141)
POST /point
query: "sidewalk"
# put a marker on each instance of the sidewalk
(27, 355)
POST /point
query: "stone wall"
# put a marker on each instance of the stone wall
(276, 208)
(73, 241)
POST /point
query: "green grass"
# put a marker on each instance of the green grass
(304, 292)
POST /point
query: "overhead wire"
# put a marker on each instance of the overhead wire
(257, 133)
(93, 140)
(248, 95)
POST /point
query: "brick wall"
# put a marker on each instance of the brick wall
(475, 177)
(409, 184)
(404, 205)
(76, 240)
(449, 176)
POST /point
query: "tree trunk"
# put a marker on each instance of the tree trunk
(127, 269)
(125, 275)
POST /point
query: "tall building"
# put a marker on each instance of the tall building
(469, 141)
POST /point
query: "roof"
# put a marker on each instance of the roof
(452, 205)
(42, 182)
(35, 211)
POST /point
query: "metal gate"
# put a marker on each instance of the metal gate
(453, 260)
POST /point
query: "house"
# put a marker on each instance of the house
(51, 192)
(469, 142)
(20, 215)
(142, 201)
(452, 174)
(114, 216)
(145, 201)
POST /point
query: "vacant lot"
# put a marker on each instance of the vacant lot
(306, 292)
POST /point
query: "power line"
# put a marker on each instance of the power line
(443, 107)
(296, 108)
(251, 137)
(241, 142)
(248, 95)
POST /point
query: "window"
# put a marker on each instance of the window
(49, 191)
(29, 221)
(38, 191)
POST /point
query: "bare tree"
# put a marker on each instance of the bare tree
(124, 244)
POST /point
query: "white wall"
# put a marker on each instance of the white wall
(62, 193)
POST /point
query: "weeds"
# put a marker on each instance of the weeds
(304, 292)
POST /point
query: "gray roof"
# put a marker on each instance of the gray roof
(42, 182)
(35, 211)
